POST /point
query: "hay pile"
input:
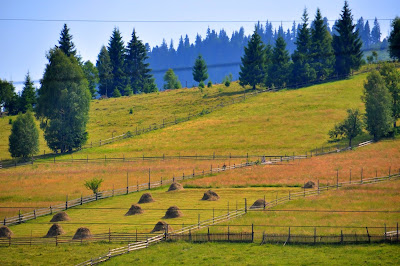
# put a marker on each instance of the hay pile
(260, 203)
(210, 195)
(5, 232)
(146, 198)
(55, 230)
(161, 226)
(135, 209)
(59, 217)
(309, 184)
(175, 186)
(172, 212)
(82, 233)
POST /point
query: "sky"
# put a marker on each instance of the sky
(28, 29)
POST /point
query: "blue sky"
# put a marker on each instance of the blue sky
(24, 44)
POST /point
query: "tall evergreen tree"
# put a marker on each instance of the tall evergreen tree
(346, 44)
(137, 68)
(92, 76)
(378, 106)
(199, 70)
(63, 102)
(116, 51)
(391, 77)
(65, 43)
(366, 35)
(24, 138)
(278, 73)
(253, 66)
(302, 71)
(28, 95)
(104, 68)
(376, 32)
(394, 39)
(323, 58)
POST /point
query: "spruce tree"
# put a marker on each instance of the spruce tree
(376, 32)
(378, 106)
(65, 43)
(137, 68)
(394, 39)
(253, 67)
(24, 138)
(366, 36)
(63, 102)
(199, 70)
(323, 58)
(302, 71)
(346, 44)
(116, 51)
(28, 95)
(104, 68)
(278, 73)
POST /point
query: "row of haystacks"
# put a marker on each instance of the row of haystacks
(55, 230)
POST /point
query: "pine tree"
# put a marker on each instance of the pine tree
(24, 138)
(391, 77)
(394, 39)
(378, 106)
(137, 68)
(65, 43)
(253, 67)
(116, 51)
(366, 36)
(104, 67)
(199, 70)
(278, 73)
(346, 44)
(28, 95)
(376, 32)
(171, 80)
(63, 102)
(302, 71)
(323, 58)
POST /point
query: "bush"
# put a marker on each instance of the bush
(227, 80)
(131, 111)
(209, 84)
(201, 84)
(10, 121)
(93, 184)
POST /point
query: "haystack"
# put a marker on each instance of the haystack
(59, 217)
(82, 233)
(55, 230)
(135, 209)
(172, 212)
(161, 226)
(309, 184)
(5, 232)
(260, 203)
(175, 186)
(146, 198)
(210, 195)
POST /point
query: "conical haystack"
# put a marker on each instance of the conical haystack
(172, 212)
(5, 232)
(309, 184)
(59, 217)
(135, 209)
(260, 203)
(175, 186)
(161, 226)
(55, 230)
(82, 233)
(210, 195)
(146, 198)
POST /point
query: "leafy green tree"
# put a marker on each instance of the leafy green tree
(302, 71)
(7, 92)
(137, 69)
(280, 65)
(323, 57)
(391, 76)
(93, 184)
(104, 68)
(24, 138)
(92, 76)
(200, 69)
(350, 128)
(253, 67)
(63, 102)
(116, 51)
(28, 95)
(378, 106)
(346, 44)
(394, 39)
(171, 80)
(65, 43)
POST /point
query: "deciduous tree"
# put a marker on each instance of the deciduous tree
(24, 138)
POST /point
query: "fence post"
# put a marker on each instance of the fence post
(198, 220)
(228, 233)
(289, 195)
(245, 205)
(51, 210)
(362, 174)
(34, 213)
(341, 236)
(137, 185)
(149, 180)
(161, 181)
(397, 232)
(96, 195)
(190, 234)
(288, 240)
(369, 237)
(66, 203)
(208, 234)
(213, 214)
(385, 233)
(252, 233)
(127, 183)
(389, 170)
(315, 235)
(350, 175)
(109, 235)
(337, 178)
(264, 202)
(318, 186)
(5, 220)
(19, 216)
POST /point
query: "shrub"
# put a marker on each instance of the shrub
(131, 111)
(93, 184)
(10, 121)
(209, 84)
(201, 84)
